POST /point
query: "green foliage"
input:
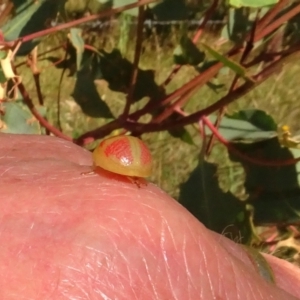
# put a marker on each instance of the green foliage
(274, 193)
(246, 125)
(78, 43)
(3, 55)
(218, 211)
(222, 211)
(237, 25)
(252, 3)
(30, 17)
(19, 119)
(235, 67)
(240, 21)
(258, 118)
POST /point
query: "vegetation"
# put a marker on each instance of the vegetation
(210, 85)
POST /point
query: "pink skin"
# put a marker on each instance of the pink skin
(64, 235)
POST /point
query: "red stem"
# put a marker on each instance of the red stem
(135, 67)
(195, 39)
(271, 14)
(277, 23)
(238, 92)
(267, 163)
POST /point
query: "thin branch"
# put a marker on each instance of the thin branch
(32, 62)
(104, 130)
(42, 54)
(269, 57)
(135, 67)
(237, 93)
(277, 23)
(246, 52)
(271, 14)
(197, 36)
(206, 18)
(176, 105)
(98, 133)
(256, 161)
(90, 18)
(198, 81)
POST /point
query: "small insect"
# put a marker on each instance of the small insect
(125, 155)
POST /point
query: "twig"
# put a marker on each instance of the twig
(277, 23)
(271, 14)
(135, 67)
(256, 161)
(246, 52)
(176, 105)
(195, 39)
(90, 18)
(237, 93)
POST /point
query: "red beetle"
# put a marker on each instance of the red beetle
(125, 155)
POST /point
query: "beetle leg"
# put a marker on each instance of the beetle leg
(89, 172)
(137, 181)
(134, 180)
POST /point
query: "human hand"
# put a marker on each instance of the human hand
(64, 235)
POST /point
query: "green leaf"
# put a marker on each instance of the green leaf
(77, 41)
(250, 126)
(17, 118)
(218, 211)
(125, 38)
(187, 53)
(132, 12)
(234, 66)
(252, 3)
(240, 22)
(30, 17)
(257, 117)
(274, 192)
(238, 25)
(3, 54)
(3, 79)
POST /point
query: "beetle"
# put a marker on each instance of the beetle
(125, 155)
